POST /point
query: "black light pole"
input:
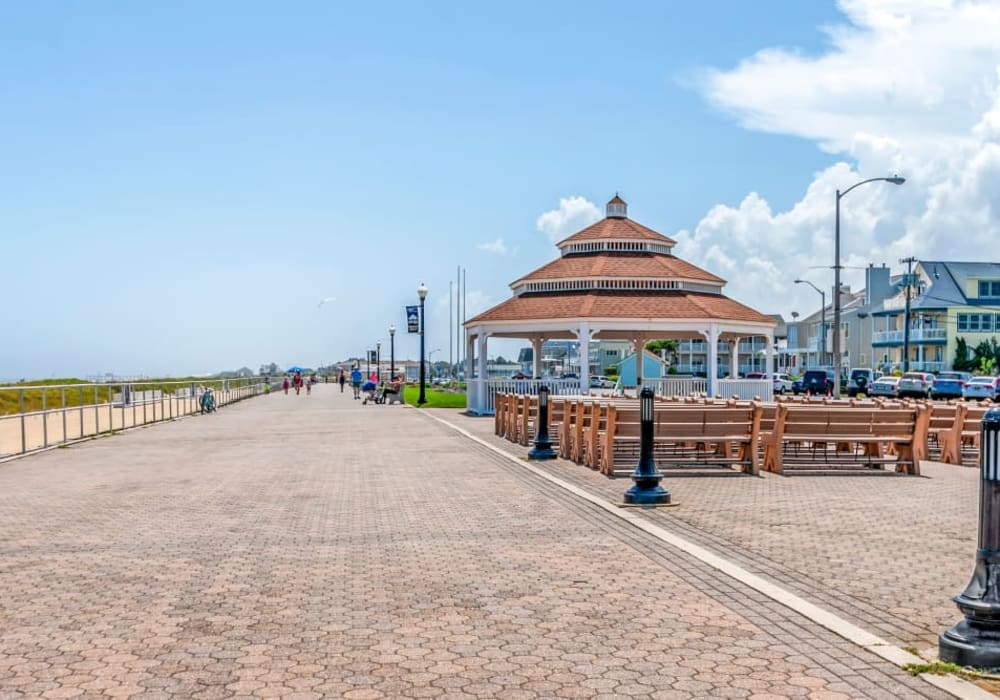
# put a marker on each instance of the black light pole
(422, 293)
(896, 180)
(368, 364)
(378, 361)
(543, 445)
(975, 641)
(647, 490)
(392, 352)
(822, 301)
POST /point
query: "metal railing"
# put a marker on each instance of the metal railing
(43, 416)
(916, 335)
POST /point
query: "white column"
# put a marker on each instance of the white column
(536, 353)
(734, 358)
(712, 340)
(769, 356)
(583, 336)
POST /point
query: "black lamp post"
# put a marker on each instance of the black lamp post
(647, 490)
(422, 293)
(895, 180)
(543, 445)
(392, 352)
(368, 364)
(975, 641)
(378, 361)
(822, 333)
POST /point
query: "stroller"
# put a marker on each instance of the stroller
(371, 392)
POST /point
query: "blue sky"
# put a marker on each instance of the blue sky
(181, 183)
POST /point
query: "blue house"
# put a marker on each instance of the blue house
(652, 368)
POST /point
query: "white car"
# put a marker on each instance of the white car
(782, 383)
(981, 388)
(884, 386)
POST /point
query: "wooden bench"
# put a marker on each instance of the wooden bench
(867, 429)
(684, 435)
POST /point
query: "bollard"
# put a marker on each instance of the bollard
(975, 641)
(647, 490)
(543, 445)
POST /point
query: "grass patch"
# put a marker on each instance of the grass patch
(937, 668)
(435, 398)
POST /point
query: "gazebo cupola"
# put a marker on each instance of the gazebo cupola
(616, 208)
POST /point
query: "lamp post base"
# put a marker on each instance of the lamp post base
(975, 640)
(542, 450)
(647, 491)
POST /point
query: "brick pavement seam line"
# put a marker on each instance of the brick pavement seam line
(900, 657)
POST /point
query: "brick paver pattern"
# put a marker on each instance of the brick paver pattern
(309, 547)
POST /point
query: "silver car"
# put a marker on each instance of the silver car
(884, 386)
(979, 388)
(915, 384)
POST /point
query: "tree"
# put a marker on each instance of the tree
(963, 362)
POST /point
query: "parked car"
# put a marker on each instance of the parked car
(818, 381)
(599, 381)
(884, 386)
(782, 383)
(949, 385)
(915, 385)
(861, 380)
(978, 388)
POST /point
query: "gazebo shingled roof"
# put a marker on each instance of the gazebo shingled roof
(617, 279)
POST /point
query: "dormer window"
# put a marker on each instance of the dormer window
(989, 289)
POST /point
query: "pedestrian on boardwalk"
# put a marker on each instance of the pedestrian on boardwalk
(356, 381)
(297, 382)
(342, 379)
(284, 385)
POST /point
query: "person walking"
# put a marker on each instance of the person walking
(342, 380)
(297, 382)
(284, 385)
(356, 381)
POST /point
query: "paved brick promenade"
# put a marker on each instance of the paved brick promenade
(308, 547)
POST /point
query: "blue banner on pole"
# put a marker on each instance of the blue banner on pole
(413, 319)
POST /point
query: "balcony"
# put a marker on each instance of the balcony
(917, 335)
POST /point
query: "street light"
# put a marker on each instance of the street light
(422, 293)
(822, 334)
(378, 361)
(392, 352)
(895, 180)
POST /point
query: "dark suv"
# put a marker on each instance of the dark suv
(818, 381)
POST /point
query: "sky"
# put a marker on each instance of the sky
(182, 184)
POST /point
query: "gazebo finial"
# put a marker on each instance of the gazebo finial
(617, 208)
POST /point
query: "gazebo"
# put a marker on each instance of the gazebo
(614, 280)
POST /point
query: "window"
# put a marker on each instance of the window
(989, 288)
(978, 323)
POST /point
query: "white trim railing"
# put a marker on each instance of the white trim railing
(676, 386)
(481, 396)
(746, 389)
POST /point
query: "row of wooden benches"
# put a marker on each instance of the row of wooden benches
(604, 434)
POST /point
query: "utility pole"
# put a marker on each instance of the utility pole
(908, 282)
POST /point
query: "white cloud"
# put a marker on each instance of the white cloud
(497, 247)
(908, 87)
(573, 214)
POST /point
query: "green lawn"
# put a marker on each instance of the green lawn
(435, 398)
